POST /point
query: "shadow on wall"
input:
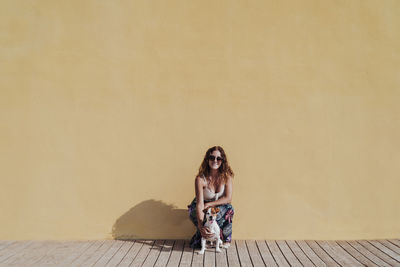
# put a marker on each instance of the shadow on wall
(153, 219)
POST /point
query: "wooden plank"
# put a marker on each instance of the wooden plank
(165, 254)
(13, 249)
(385, 249)
(341, 255)
(154, 253)
(187, 255)
(221, 258)
(38, 251)
(87, 253)
(395, 242)
(198, 259)
(361, 258)
(47, 257)
(310, 253)
(266, 253)
(76, 253)
(99, 253)
(176, 254)
(209, 257)
(255, 255)
(299, 253)
(277, 254)
(132, 253)
(120, 254)
(58, 253)
(287, 252)
(18, 256)
(390, 245)
(231, 252)
(5, 244)
(106, 257)
(243, 253)
(378, 253)
(143, 253)
(367, 253)
(321, 253)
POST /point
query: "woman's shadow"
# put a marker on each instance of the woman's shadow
(153, 219)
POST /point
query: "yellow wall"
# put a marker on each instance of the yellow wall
(107, 108)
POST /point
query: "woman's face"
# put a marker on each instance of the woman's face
(215, 160)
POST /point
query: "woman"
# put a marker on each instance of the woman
(214, 181)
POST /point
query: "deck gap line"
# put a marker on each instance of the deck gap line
(102, 243)
(248, 252)
(164, 241)
(327, 253)
(272, 254)
(365, 255)
(295, 241)
(391, 241)
(237, 251)
(372, 244)
(226, 256)
(356, 251)
(136, 253)
(374, 253)
(294, 254)
(112, 255)
(262, 258)
(348, 252)
(282, 253)
(183, 249)
(101, 256)
(94, 242)
(144, 260)
(191, 260)
(134, 241)
(172, 250)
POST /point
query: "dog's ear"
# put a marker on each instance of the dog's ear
(216, 210)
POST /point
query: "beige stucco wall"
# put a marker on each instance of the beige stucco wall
(107, 108)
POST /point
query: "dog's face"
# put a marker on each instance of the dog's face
(211, 214)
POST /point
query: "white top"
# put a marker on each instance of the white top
(208, 194)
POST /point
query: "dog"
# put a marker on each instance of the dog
(211, 223)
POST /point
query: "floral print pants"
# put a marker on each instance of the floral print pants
(224, 221)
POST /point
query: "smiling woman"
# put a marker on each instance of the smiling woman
(213, 185)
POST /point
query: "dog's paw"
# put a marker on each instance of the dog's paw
(218, 250)
(226, 245)
(201, 252)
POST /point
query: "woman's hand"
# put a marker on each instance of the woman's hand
(206, 206)
(205, 232)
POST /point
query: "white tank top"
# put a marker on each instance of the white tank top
(208, 194)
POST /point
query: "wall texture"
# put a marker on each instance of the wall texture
(107, 108)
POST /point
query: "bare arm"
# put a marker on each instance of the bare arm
(199, 200)
(227, 198)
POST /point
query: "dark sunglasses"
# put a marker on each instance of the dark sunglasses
(212, 158)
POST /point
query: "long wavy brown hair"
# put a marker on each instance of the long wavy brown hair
(224, 171)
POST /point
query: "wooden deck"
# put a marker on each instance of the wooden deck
(178, 253)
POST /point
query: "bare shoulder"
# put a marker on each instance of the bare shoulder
(229, 180)
(199, 180)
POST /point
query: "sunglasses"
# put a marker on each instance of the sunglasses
(212, 158)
